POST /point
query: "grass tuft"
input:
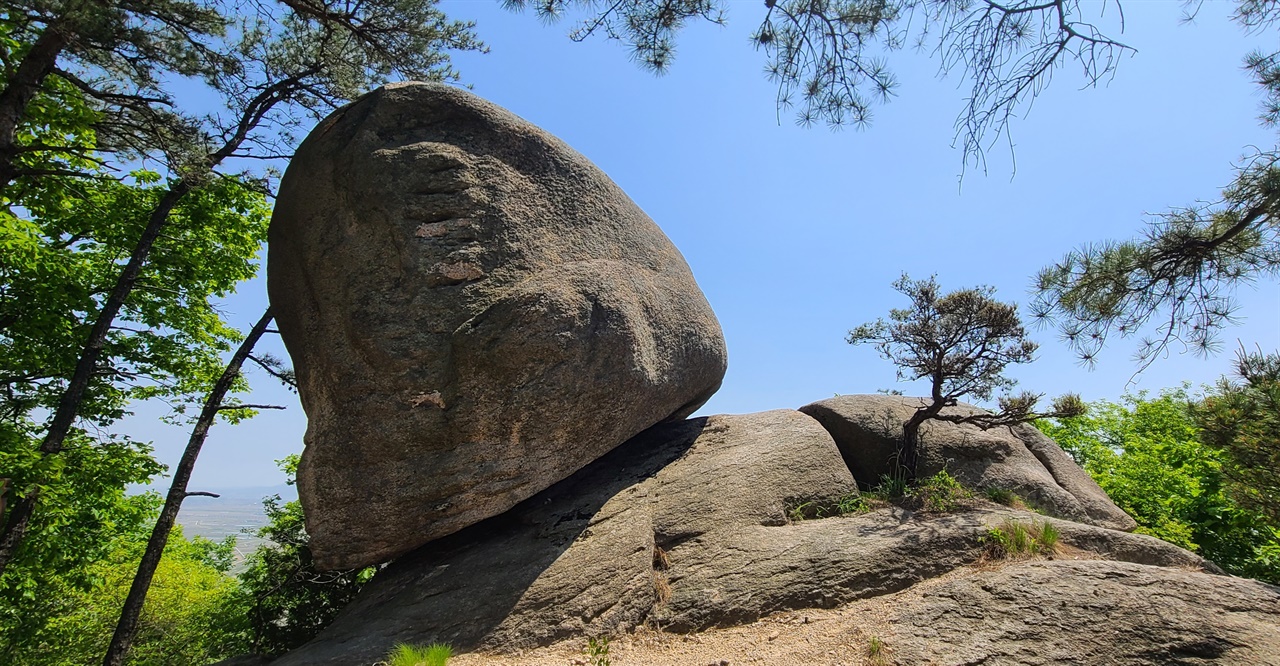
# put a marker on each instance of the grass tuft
(1014, 539)
(1003, 496)
(436, 654)
(848, 504)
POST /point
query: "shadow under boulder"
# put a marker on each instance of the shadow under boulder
(868, 431)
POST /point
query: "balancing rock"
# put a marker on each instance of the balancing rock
(474, 312)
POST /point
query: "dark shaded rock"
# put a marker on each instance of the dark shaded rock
(1090, 612)
(474, 312)
(868, 430)
(687, 527)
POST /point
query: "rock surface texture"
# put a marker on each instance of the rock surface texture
(474, 311)
(1090, 612)
(686, 527)
(868, 430)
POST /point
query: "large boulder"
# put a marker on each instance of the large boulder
(688, 526)
(868, 430)
(474, 312)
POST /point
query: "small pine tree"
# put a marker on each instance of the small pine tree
(961, 342)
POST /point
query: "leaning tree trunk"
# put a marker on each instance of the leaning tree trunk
(132, 610)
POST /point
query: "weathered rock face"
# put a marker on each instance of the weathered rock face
(868, 430)
(686, 526)
(474, 312)
(1090, 612)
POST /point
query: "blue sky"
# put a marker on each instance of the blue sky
(795, 234)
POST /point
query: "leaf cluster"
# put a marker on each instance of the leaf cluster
(1147, 453)
(85, 517)
(647, 27)
(1241, 420)
(195, 612)
(960, 342)
(1175, 283)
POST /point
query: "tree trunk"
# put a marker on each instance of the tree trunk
(909, 452)
(132, 610)
(22, 88)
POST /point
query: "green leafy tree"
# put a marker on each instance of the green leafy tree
(291, 601)
(1148, 456)
(85, 518)
(960, 342)
(131, 620)
(64, 240)
(195, 613)
(277, 67)
(1241, 419)
(65, 224)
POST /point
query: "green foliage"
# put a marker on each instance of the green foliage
(1242, 421)
(1002, 496)
(86, 518)
(290, 600)
(194, 613)
(877, 654)
(1175, 282)
(598, 651)
(847, 504)
(61, 243)
(959, 341)
(1148, 456)
(828, 57)
(64, 256)
(940, 493)
(1014, 539)
(436, 654)
(1048, 538)
(891, 487)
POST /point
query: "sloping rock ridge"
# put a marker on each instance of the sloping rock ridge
(1090, 612)
(868, 430)
(474, 312)
(688, 526)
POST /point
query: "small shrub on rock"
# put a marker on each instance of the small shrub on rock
(851, 503)
(877, 655)
(1003, 496)
(598, 651)
(939, 493)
